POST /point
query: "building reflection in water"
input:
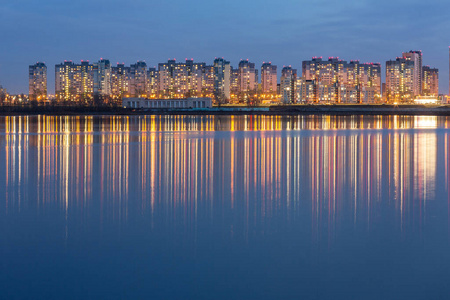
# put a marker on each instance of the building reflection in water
(252, 170)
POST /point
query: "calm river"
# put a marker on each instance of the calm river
(224, 207)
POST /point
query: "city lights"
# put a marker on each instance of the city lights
(332, 81)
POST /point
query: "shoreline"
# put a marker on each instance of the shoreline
(276, 110)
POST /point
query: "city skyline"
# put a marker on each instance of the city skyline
(331, 80)
(52, 88)
(286, 35)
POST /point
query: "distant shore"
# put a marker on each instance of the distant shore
(337, 109)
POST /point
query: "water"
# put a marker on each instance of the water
(224, 207)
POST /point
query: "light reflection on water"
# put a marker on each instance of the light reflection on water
(314, 178)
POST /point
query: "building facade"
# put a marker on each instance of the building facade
(339, 81)
(138, 79)
(288, 84)
(74, 82)
(430, 81)
(120, 81)
(247, 80)
(102, 77)
(37, 82)
(179, 80)
(416, 57)
(64, 81)
(188, 103)
(222, 74)
(269, 79)
(400, 80)
(208, 81)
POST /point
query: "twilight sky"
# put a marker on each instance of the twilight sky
(283, 32)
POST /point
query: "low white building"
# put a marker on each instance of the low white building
(427, 100)
(187, 103)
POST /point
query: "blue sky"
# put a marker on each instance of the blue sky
(283, 32)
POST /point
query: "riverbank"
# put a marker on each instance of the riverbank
(341, 109)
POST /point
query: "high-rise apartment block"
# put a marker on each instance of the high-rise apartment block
(120, 81)
(400, 80)
(64, 81)
(269, 79)
(179, 80)
(319, 70)
(247, 77)
(208, 81)
(37, 82)
(83, 80)
(193, 74)
(288, 85)
(305, 92)
(416, 57)
(79, 82)
(407, 80)
(234, 84)
(74, 82)
(430, 81)
(138, 79)
(222, 73)
(337, 81)
(102, 77)
(152, 82)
